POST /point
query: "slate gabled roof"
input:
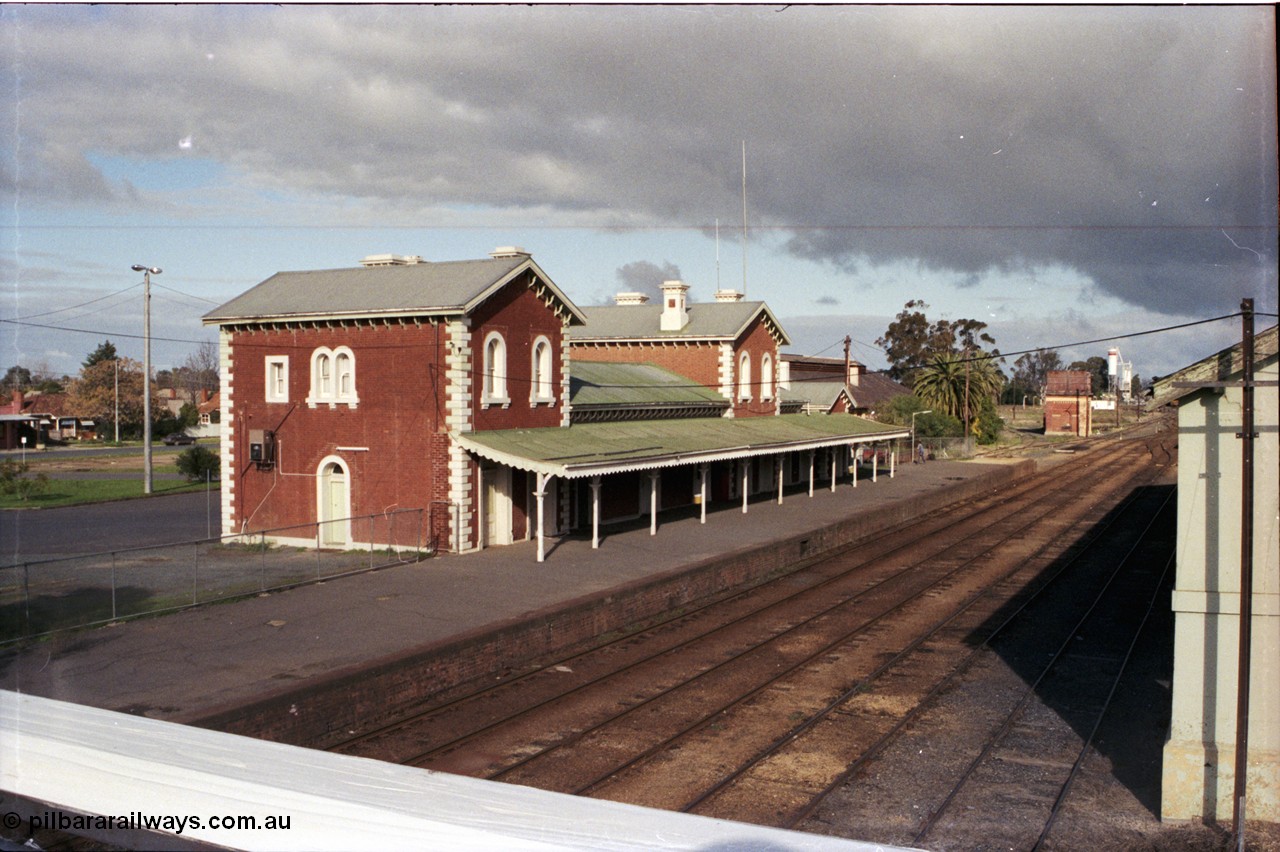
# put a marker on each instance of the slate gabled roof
(707, 321)
(420, 289)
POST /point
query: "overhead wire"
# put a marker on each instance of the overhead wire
(519, 380)
(81, 305)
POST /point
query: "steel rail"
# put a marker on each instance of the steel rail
(961, 512)
(1061, 799)
(1029, 693)
(884, 741)
(709, 716)
(833, 706)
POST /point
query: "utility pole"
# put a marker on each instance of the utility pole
(117, 417)
(147, 272)
(1247, 436)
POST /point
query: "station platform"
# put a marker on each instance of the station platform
(307, 664)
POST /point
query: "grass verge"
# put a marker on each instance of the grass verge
(74, 492)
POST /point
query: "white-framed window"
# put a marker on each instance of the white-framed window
(744, 378)
(494, 390)
(333, 377)
(277, 378)
(766, 377)
(540, 386)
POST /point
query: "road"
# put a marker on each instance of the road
(34, 534)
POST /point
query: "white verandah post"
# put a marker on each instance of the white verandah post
(813, 454)
(595, 512)
(745, 479)
(702, 490)
(541, 494)
(653, 503)
(835, 452)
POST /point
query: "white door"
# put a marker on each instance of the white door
(333, 505)
(497, 506)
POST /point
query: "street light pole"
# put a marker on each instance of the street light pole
(147, 272)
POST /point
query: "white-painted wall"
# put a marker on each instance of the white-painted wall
(99, 762)
(1199, 757)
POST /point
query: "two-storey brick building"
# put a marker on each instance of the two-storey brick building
(445, 388)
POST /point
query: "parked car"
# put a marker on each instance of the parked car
(176, 438)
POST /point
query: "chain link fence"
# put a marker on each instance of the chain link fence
(38, 598)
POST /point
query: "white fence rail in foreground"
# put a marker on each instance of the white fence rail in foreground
(59, 758)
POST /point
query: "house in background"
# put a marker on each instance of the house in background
(835, 386)
(1199, 755)
(451, 389)
(1068, 398)
(40, 418)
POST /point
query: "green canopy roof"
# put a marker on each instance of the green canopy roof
(590, 449)
(597, 383)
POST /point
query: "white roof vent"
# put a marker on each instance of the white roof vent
(630, 298)
(675, 309)
(728, 296)
(391, 260)
(508, 251)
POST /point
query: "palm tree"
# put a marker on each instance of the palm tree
(956, 384)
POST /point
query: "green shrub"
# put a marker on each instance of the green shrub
(199, 463)
(14, 480)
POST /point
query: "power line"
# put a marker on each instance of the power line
(188, 295)
(99, 332)
(81, 305)
(1105, 339)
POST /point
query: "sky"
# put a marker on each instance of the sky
(1063, 174)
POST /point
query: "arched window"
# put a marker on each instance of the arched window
(333, 377)
(495, 370)
(324, 364)
(541, 385)
(766, 376)
(344, 372)
(744, 378)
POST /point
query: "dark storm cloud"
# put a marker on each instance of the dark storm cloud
(643, 276)
(1134, 145)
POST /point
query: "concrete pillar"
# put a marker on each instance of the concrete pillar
(1199, 755)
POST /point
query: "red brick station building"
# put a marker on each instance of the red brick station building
(474, 402)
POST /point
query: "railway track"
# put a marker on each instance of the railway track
(761, 706)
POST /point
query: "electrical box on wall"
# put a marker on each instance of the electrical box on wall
(262, 447)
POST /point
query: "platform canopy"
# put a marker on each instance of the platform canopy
(593, 449)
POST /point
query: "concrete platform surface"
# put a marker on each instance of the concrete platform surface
(177, 666)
